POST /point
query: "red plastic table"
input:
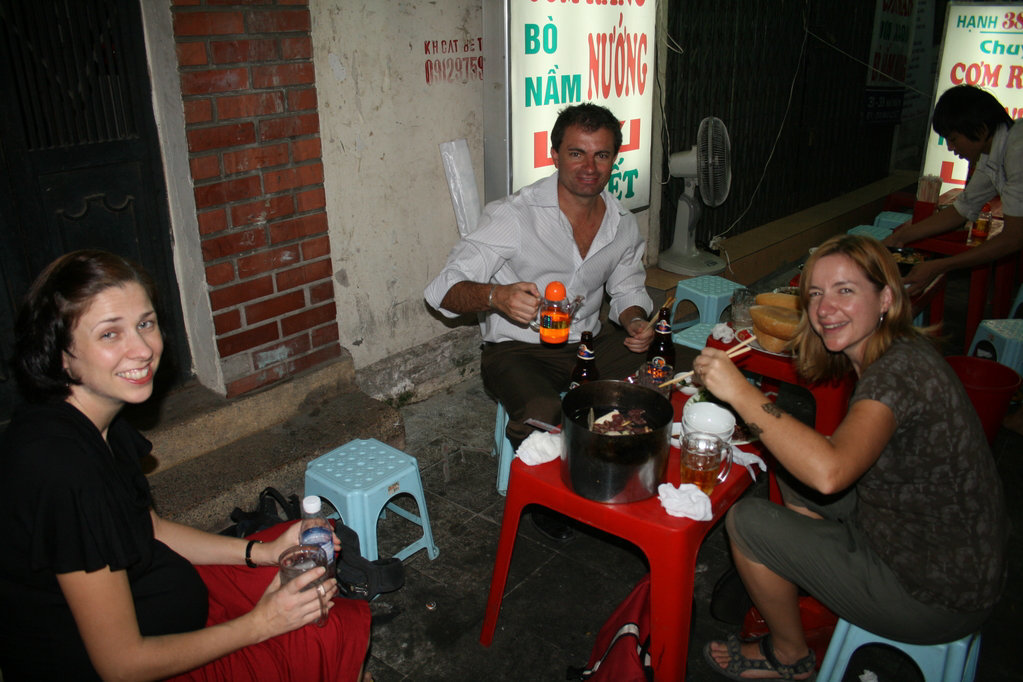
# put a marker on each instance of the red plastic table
(953, 243)
(669, 543)
(1004, 270)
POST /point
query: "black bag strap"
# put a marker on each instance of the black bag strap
(266, 513)
(291, 506)
(360, 578)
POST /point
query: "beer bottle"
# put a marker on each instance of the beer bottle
(662, 348)
(585, 363)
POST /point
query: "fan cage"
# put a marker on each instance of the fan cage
(712, 147)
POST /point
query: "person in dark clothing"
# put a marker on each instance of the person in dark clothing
(93, 582)
(897, 521)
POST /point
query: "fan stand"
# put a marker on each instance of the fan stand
(683, 257)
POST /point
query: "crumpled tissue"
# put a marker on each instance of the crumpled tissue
(540, 447)
(748, 459)
(723, 333)
(687, 500)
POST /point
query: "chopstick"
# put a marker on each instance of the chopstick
(732, 352)
(653, 318)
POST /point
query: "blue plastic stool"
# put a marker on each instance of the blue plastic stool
(1001, 341)
(359, 479)
(1015, 311)
(693, 337)
(503, 449)
(709, 293)
(891, 219)
(952, 662)
(878, 232)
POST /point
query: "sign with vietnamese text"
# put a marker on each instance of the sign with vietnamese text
(564, 53)
(983, 46)
(889, 55)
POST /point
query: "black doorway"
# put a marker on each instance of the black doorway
(79, 157)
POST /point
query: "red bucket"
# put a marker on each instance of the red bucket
(990, 386)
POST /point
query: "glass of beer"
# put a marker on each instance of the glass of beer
(706, 460)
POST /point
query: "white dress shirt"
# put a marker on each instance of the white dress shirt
(526, 238)
(999, 172)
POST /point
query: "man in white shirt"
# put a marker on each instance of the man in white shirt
(566, 227)
(977, 128)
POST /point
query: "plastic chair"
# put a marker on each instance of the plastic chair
(891, 219)
(1001, 341)
(878, 232)
(952, 662)
(503, 449)
(709, 293)
(359, 479)
(693, 337)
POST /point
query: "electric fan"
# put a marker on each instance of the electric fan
(706, 166)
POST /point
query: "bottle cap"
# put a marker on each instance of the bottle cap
(555, 291)
(311, 504)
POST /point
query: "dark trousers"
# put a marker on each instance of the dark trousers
(528, 378)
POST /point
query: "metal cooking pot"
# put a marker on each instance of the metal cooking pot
(614, 469)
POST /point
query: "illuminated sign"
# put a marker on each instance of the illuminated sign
(563, 52)
(983, 46)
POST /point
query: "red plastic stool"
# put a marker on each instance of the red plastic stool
(670, 544)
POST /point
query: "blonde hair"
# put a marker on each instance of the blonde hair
(814, 361)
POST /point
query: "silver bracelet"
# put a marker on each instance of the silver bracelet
(490, 297)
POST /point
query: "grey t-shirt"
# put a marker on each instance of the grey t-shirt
(932, 505)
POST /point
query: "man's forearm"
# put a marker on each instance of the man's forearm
(629, 314)
(939, 223)
(468, 297)
(1006, 242)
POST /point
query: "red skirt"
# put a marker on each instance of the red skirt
(335, 651)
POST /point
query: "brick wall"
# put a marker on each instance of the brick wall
(249, 92)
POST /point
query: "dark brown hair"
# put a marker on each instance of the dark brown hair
(590, 117)
(55, 302)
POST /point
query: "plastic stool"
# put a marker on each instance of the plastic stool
(359, 479)
(503, 449)
(711, 295)
(1001, 341)
(878, 232)
(952, 662)
(891, 219)
(695, 336)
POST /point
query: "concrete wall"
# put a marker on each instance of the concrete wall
(383, 113)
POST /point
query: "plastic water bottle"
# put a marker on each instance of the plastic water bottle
(315, 530)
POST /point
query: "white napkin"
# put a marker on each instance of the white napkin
(748, 459)
(540, 447)
(723, 333)
(687, 500)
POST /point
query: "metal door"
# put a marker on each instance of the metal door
(79, 156)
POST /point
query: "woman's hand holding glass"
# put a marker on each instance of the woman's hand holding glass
(284, 608)
(267, 554)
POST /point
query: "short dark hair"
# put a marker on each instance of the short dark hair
(968, 110)
(55, 302)
(588, 116)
